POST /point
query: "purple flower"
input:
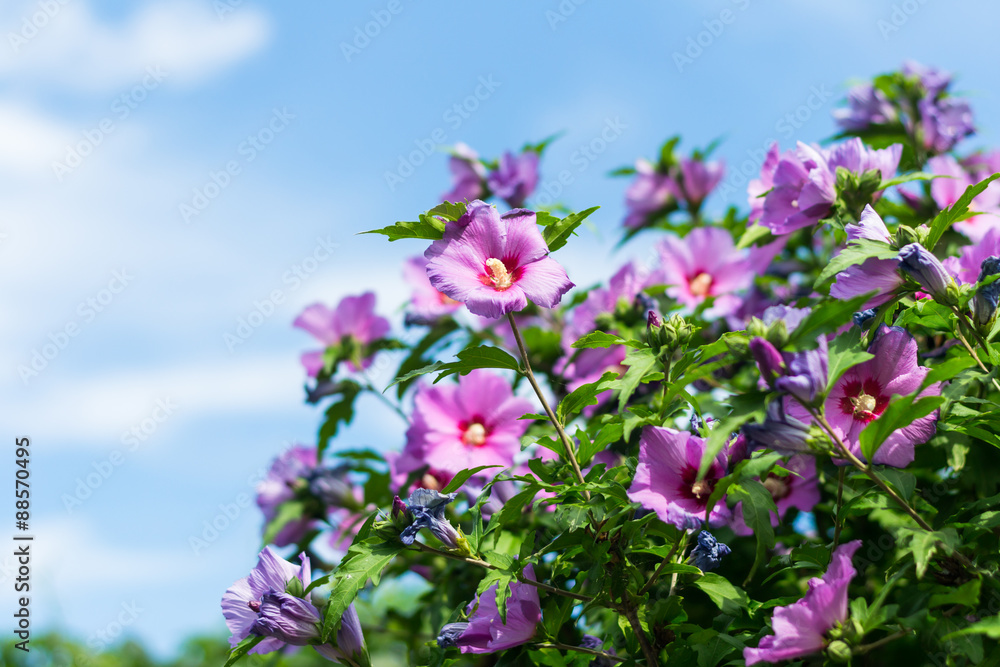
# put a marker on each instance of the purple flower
(495, 264)
(800, 490)
(921, 265)
(800, 628)
(649, 193)
(984, 302)
(623, 288)
(703, 264)
(862, 394)
(427, 305)
(803, 374)
(287, 472)
(456, 427)
(708, 553)
(759, 187)
(780, 431)
(468, 175)
(698, 179)
(486, 633)
(260, 605)
(872, 275)
(427, 508)
(857, 158)
(515, 177)
(931, 79)
(352, 324)
(944, 122)
(866, 106)
(449, 634)
(666, 479)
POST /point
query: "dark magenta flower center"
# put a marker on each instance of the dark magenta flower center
(779, 487)
(863, 401)
(700, 284)
(474, 434)
(696, 489)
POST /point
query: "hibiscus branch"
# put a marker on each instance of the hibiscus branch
(579, 649)
(418, 546)
(567, 444)
(840, 506)
(647, 649)
(861, 650)
(659, 568)
(867, 470)
(972, 352)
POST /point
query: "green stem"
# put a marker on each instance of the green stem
(567, 443)
(579, 649)
(647, 650)
(659, 568)
(861, 650)
(380, 396)
(840, 506)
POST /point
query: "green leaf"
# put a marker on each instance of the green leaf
(856, 252)
(341, 412)
(907, 178)
(758, 505)
(967, 594)
(241, 649)
(726, 597)
(988, 626)
(557, 234)
(448, 210)
(955, 212)
(845, 352)
(640, 363)
(611, 432)
(901, 412)
(363, 561)
(426, 227)
(948, 369)
(415, 360)
(584, 395)
(826, 317)
(752, 234)
(598, 339)
(461, 478)
(469, 359)
(288, 511)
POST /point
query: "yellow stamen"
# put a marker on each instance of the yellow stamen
(863, 404)
(700, 284)
(498, 274)
(475, 435)
(701, 489)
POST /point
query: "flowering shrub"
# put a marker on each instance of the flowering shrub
(779, 443)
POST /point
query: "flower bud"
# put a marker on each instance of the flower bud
(839, 652)
(921, 265)
(769, 360)
(864, 317)
(984, 302)
(707, 555)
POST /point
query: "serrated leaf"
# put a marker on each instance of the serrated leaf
(583, 396)
(363, 561)
(340, 412)
(988, 626)
(469, 359)
(598, 339)
(640, 363)
(827, 317)
(241, 649)
(557, 235)
(609, 433)
(462, 477)
(940, 224)
(725, 595)
(427, 228)
(855, 253)
(758, 506)
(448, 210)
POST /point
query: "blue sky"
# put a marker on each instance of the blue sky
(288, 136)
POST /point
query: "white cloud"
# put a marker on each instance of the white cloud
(73, 47)
(28, 139)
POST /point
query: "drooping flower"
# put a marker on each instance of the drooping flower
(651, 192)
(468, 175)
(925, 268)
(427, 508)
(708, 553)
(495, 264)
(802, 375)
(666, 479)
(800, 490)
(706, 263)
(486, 633)
(800, 628)
(515, 177)
(471, 424)
(352, 325)
(427, 305)
(780, 431)
(262, 605)
(862, 394)
(986, 298)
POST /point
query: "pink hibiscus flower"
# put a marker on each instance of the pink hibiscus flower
(353, 322)
(495, 263)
